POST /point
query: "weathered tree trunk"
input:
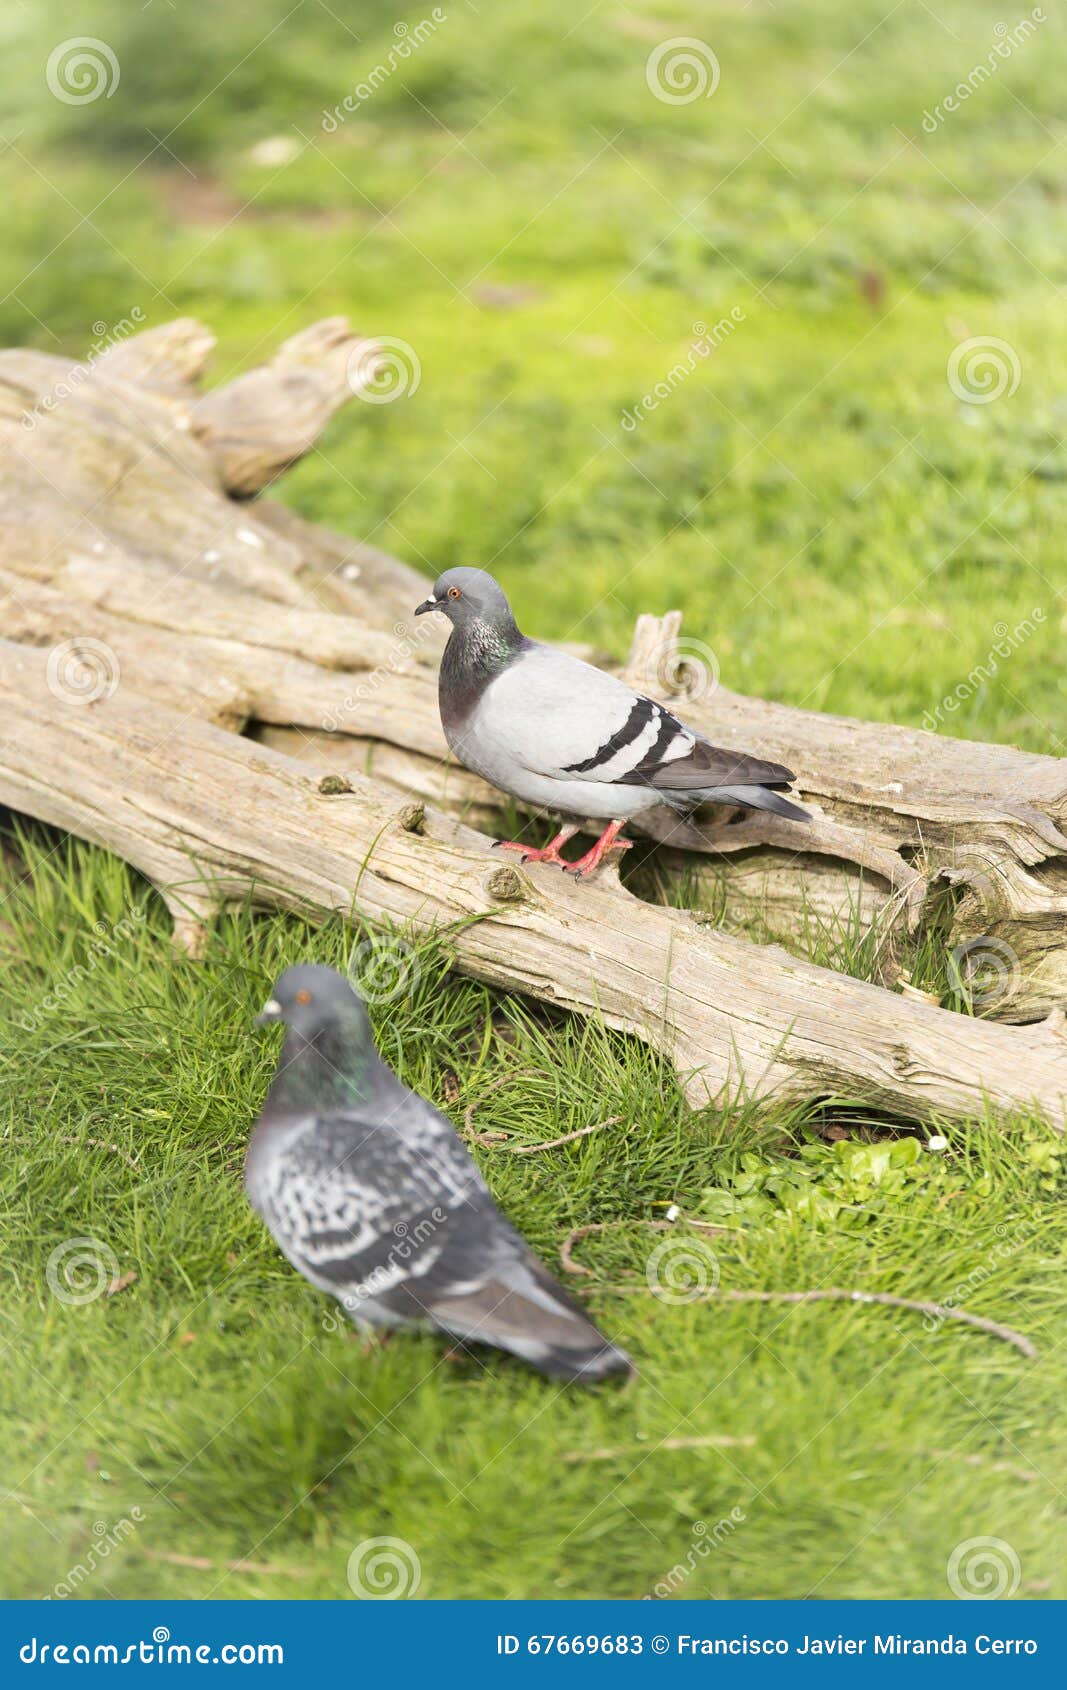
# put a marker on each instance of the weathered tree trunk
(210, 817)
(130, 553)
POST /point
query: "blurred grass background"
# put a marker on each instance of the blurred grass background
(515, 204)
(844, 532)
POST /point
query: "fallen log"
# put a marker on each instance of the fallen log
(211, 818)
(129, 547)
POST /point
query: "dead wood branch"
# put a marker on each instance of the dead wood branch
(116, 496)
(125, 555)
(210, 818)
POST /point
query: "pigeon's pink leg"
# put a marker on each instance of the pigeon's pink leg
(550, 853)
(593, 858)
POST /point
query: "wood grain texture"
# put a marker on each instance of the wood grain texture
(211, 818)
(120, 529)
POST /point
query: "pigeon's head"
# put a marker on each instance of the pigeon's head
(466, 596)
(310, 999)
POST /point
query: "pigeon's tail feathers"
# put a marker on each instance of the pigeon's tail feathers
(706, 774)
(528, 1314)
(756, 798)
(599, 1361)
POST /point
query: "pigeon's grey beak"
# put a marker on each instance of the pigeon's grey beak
(427, 604)
(271, 1011)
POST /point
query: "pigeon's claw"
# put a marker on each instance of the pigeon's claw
(526, 853)
(549, 854)
(609, 840)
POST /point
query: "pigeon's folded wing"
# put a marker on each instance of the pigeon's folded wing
(401, 1224)
(353, 1203)
(559, 717)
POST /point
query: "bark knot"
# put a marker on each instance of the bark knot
(506, 885)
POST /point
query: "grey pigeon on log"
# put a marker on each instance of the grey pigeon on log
(373, 1197)
(556, 732)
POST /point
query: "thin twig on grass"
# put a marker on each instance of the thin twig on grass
(716, 1440)
(492, 1139)
(568, 1138)
(201, 1564)
(837, 1294)
(495, 1085)
(1025, 1475)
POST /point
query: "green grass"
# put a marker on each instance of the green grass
(838, 527)
(218, 1395)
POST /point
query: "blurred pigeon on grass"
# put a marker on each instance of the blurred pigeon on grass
(556, 732)
(372, 1196)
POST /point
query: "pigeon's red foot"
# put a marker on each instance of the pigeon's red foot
(609, 840)
(549, 854)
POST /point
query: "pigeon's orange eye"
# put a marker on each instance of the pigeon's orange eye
(453, 592)
(303, 997)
